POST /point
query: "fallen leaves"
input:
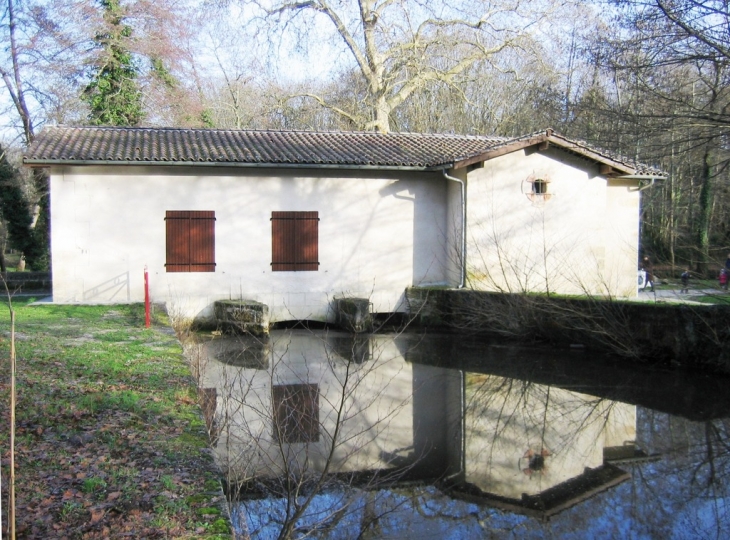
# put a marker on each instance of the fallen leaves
(97, 514)
(86, 472)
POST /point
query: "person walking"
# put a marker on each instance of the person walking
(685, 281)
(649, 269)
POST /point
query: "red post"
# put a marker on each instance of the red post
(146, 298)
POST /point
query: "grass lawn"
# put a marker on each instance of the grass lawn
(694, 283)
(721, 298)
(110, 441)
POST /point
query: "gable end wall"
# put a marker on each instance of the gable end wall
(582, 239)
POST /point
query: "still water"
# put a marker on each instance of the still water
(327, 435)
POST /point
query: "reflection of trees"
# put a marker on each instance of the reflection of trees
(688, 489)
(316, 430)
(552, 434)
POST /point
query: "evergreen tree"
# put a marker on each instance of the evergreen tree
(14, 210)
(113, 93)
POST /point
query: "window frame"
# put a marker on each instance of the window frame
(539, 189)
(540, 186)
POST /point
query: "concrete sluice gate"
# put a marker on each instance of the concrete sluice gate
(252, 317)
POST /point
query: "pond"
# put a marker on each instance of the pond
(328, 435)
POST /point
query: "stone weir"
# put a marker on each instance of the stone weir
(695, 336)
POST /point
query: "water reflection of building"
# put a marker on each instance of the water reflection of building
(282, 411)
(540, 449)
(516, 444)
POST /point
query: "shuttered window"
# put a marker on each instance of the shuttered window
(190, 241)
(294, 241)
(296, 413)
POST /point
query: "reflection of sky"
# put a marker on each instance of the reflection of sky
(654, 504)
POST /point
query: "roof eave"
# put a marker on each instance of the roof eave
(646, 176)
(615, 169)
(566, 144)
(45, 163)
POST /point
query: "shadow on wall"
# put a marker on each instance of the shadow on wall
(428, 256)
(116, 288)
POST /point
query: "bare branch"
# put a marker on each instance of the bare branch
(696, 31)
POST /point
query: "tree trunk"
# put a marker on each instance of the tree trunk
(382, 115)
(704, 211)
(15, 86)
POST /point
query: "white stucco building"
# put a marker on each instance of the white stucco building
(294, 219)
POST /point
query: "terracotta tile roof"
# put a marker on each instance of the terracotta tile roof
(583, 149)
(85, 144)
(77, 145)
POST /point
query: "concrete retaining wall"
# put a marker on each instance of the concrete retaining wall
(678, 334)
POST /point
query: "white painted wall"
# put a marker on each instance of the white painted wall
(379, 232)
(584, 239)
(454, 221)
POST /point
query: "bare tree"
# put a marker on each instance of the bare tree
(30, 68)
(43, 61)
(46, 64)
(400, 47)
(12, 406)
(662, 89)
(696, 462)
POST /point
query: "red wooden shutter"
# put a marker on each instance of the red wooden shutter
(178, 247)
(294, 241)
(202, 241)
(190, 241)
(307, 241)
